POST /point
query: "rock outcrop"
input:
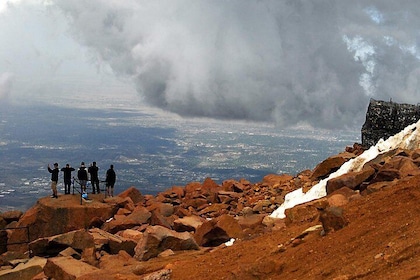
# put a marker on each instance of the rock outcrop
(56, 216)
(26, 269)
(53, 245)
(384, 119)
(158, 239)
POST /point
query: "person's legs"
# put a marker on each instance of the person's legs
(67, 184)
(83, 185)
(98, 190)
(95, 186)
(54, 188)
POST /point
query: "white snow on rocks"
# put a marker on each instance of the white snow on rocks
(409, 138)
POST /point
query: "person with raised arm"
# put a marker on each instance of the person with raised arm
(54, 179)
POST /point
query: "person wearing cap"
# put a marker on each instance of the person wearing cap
(54, 179)
(82, 175)
(67, 177)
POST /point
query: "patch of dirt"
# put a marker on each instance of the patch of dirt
(381, 241)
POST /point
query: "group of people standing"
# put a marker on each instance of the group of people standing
(82, 178)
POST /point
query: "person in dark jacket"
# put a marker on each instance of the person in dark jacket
(94, 179)
(67, 177)
(82, 175)
(54, 179)
(110, 180)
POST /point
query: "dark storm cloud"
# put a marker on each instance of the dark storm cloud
(292, 62)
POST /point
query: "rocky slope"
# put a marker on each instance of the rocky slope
(367, 227)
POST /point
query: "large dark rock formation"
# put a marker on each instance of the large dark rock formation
(384, 119)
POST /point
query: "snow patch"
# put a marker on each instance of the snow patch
(409, 138)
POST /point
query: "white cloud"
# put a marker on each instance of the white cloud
(291, 62)
(282, 61)
(6, 81)
(46, 62)
(4, 5)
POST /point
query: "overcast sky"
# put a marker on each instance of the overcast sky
(315, 62)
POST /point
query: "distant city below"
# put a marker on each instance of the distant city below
(150, 152)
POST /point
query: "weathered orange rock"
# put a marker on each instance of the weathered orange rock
(165, 209)
(90, 256)
(332, 219)
(192, 189)
(131, 234)
(405, 166)
(306, 212)
(194, 202)
(210, 186)
(133, 193)
(123, 212)
(139, 216)
(251, 221)
(112, 243)
(180, 211)
(67, 268)
(55, 216)
(118, 202)
(78, 239)
(158, 239)
(415, 154)
(24, 270)
(217, 207)
(10, 216)
(226, 197)
(3, 223)
(3, 241)
(350, 180)
(189, 223)
(69, 252)
(174, 192)
(375, 187)
(331, 164)
(116, 261)
(276, 180)
(386, 175)
(337, 200)
(218, 231)
(157, 219)
(233, 186)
